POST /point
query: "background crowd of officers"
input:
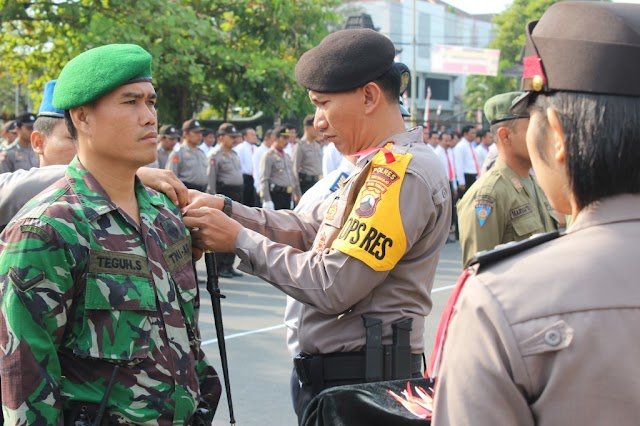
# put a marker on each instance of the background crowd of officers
(274, 172)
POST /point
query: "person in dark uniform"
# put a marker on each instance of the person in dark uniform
(189, 163)
(225, 178)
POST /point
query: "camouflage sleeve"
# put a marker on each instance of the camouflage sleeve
(36, 291)
(210, 387)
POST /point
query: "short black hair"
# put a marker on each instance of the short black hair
(308, 120)
(466, 129)
(207, 132)
(480, 133)
(602, 142)
(70, 126)
(243, 132)
(45, 125)
(389, 83)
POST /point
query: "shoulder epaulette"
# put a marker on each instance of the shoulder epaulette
(503, 251)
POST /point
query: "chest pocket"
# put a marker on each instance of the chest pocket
(527, 225)
(336, 214)
(116, 320)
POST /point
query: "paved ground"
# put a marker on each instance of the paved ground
(259, 363)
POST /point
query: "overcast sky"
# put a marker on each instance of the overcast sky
(495, 6)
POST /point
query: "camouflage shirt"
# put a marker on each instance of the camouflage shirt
(84, 288)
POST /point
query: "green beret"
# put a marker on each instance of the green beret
(496, 109)
(345, 60)
(96, 72)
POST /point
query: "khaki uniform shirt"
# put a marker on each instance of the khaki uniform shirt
(18, 157)
(276, 169)
(298, 253)
(163, 156)
(550, 336)
(190, 165)
(20, 186)
(498, 209)
(224, 169)
(307, 159)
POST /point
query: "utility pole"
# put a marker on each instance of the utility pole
(414, 88)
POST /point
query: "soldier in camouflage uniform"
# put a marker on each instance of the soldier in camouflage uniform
(277, 184)
(96, 273)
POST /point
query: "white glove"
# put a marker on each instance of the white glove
(268, 205)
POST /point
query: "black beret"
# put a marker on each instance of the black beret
(345, 60)
(588, 47)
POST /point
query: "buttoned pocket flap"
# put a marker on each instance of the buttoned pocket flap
(552, 338)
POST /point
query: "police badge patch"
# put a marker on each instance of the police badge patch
(482, 213)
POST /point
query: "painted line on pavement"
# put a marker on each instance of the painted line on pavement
(275, 327)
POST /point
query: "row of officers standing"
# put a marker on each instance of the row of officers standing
(273, 175)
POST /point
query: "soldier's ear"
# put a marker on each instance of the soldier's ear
(80, 118)
(503, 134)
(555, 127)
(37, 142)
(372, 97)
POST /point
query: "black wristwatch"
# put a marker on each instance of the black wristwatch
(227, 204)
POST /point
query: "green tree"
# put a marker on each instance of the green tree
(510, 38)
(224, 53)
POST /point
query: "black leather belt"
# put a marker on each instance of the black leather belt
(308, 178)
(341, 366)
(281, 189)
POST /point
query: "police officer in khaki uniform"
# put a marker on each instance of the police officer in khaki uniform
(189, 163)
(225, 177)
(9, 134)
(277, 182)
(168, 137)
(547, 332)
(506, 203)
(307, 157)
(371, 249)
(20, 154)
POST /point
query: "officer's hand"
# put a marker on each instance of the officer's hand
(212, 230)
(199, 199)
(462, 187)
(165, 181)
(196, 253)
